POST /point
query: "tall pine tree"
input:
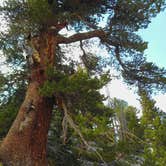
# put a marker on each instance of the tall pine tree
(33, 29)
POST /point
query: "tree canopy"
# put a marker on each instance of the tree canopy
(38, 47)
(115, 23)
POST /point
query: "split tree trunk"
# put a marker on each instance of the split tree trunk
(25, 143)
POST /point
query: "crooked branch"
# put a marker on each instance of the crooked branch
(81, 36)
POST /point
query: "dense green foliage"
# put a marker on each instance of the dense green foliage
(153, 122)
(90, 133)
(115, 136)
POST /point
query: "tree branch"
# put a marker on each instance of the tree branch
(81, 36)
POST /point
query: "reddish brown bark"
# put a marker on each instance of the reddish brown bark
(25, 143)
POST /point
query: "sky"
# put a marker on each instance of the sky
(155, 35)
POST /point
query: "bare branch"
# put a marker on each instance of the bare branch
(81, 46)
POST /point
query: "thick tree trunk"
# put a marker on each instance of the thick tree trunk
(25, 143)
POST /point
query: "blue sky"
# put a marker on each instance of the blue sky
(155, 34)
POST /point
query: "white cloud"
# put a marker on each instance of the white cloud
(121, 91)
(161, 101)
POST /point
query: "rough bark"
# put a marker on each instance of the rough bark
(25, 143)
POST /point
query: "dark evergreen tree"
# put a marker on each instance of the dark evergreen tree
(153, 123)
